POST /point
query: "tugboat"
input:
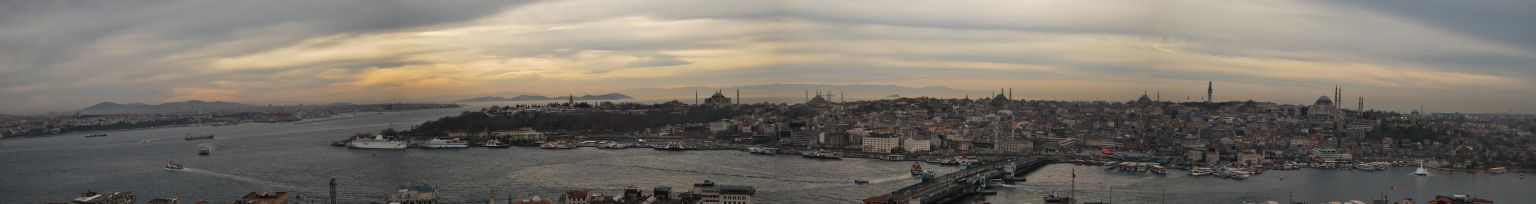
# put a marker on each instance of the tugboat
(173, 166)
(917, 169)
(203, 151)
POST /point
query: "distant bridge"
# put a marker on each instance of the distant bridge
(956, 185)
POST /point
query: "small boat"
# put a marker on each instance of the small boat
(1421, 171)
(203, 151)
(496, 144)
(1054, 199)
(199, 137)
(96, 135)
(860, 181)
(173, 166)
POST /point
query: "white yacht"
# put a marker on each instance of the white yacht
(377, 142)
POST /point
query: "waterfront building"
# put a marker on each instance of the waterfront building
(264, 197)
(104, 198)
(521, 136)
(575, 197)
(881, 143)
(414, 194)
(913, 145)
(711, 193)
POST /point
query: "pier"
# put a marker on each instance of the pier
(953, 186)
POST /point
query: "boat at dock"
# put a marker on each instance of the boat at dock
(821, 154)
(495, 144)
(613, 145)
(556, 145)
(672, 146)
(173, 166)
(1497, 170)
(436, 143)
(199, 137)
(377, 142)
(761, 150)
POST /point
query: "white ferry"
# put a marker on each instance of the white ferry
(377, 142)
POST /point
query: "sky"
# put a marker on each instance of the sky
(1447, 56)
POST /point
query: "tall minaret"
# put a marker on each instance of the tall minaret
(1338, 94)
(1362, 103)
(738, 96)
(1210, 91)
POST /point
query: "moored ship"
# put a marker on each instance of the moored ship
(436, 143)
(821, 154)
(377, 142)
(761, 150)
(199, 137)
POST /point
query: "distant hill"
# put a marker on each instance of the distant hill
(604, 97)
(796, 91)
(193, 105)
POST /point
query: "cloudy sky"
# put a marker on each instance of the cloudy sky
(1467, 56)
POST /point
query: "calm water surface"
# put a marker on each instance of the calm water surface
(296, 158)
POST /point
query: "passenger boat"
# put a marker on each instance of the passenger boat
(821, 154)
(203, 151)
(198, 137)
(377, 142)
(96, 135)
(1054, 199)
(436, 143)
(556, 145)
(1497, 170)
(671, 146)
(917, 169)
(1421, 171)
(495, 144)
(173, 166)
(760, 150)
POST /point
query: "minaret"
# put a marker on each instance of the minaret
(1159, 96)
(333, 190)
(1010, 94)
(1362, 103)
(1210, 91)
(695, 97)
(738, 96)
(1338, 94)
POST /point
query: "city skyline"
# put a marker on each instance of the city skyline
(1466, 57)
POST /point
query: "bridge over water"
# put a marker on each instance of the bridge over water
(957, 185)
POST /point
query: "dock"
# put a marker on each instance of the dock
(953, 186)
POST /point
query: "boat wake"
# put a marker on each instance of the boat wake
(268, 184)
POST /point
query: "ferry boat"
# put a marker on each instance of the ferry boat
(436, 143)
(495, 144)
(203, 151)
(672, 146)
(377, 142)
(760, 150)
(199, 137)
(1497, 170)
(1421, 171)
(1054, 199)
(821, 154)
(173, 166)
(96, 135)
(917, 169)
(556, 145)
